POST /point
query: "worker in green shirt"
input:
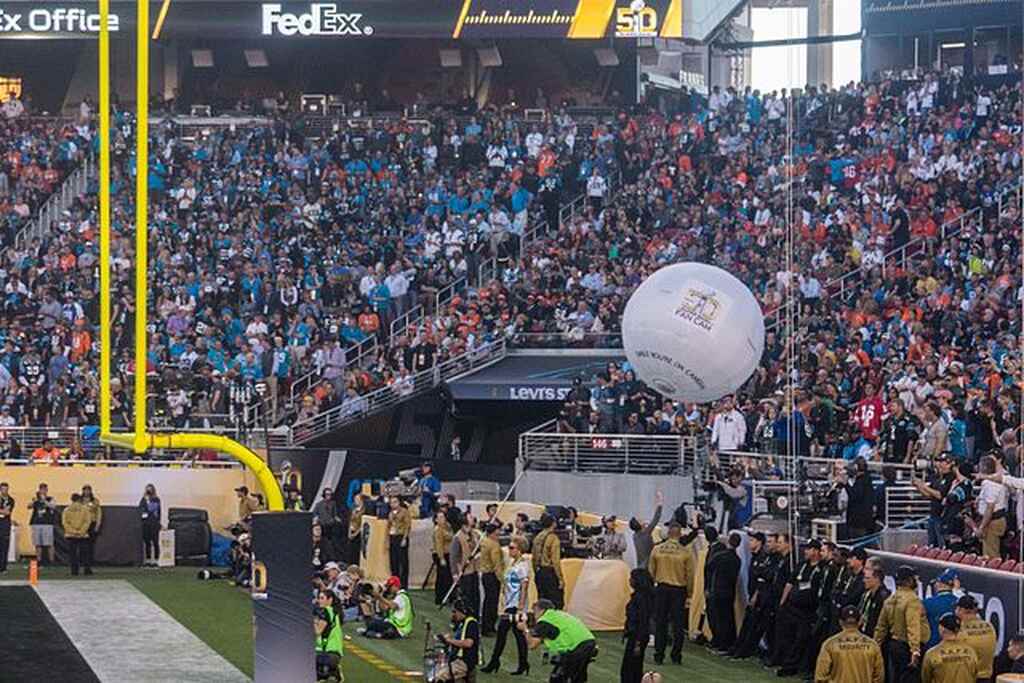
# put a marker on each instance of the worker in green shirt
(329, 638)
(397, 616)
(571, 644)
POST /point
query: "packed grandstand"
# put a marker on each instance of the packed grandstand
(315, 270)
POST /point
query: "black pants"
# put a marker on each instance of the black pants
(572, 666)
(381, 628)
(897, 663)
(489, 617)
(90, 549)
(755, 626)
(548, 588)
(669, 608)
(5, 545)
(632, 670)
(469, 587)
(443, 578)
(77, 554)
(354, 549)
(151, 541)
(505, 624)
(793, 633)
(723, 625)
(399, 556)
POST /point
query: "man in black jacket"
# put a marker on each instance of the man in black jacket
(860, 507)
(721, 595)
(759, 577)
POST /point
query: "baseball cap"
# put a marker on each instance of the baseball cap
(949, 622)
(905, 572)
(849, 613)
(332, 565)
(967, 602)
(943, 457)
(948, 577)
(393, 582)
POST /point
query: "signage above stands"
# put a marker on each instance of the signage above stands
(355, 19)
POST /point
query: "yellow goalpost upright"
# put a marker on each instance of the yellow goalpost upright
(141, 440)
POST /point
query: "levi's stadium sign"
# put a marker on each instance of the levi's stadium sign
(357, 19)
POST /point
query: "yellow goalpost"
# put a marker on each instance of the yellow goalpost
(141, 440)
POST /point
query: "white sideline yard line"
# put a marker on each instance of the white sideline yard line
(125, 636)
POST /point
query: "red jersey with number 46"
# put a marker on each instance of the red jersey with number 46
(868, 416)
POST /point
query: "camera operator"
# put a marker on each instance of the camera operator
(329, 639)
(860, 506)
(463, 645)
(328, 579)
(394, 618)
(936, 489)
(610, 544)
(430, 488)
(570, 643)
(241, 560)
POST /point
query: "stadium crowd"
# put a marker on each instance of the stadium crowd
(275, 255)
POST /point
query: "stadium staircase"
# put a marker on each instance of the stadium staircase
(903, 258)
(74, 186)
(386, 398)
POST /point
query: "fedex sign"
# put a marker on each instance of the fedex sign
(323, 19)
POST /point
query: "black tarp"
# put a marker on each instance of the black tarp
(119, 543)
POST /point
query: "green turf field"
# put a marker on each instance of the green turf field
(221, 615)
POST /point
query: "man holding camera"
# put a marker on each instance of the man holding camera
(569, 642)
(396, 620)
(936, 489)
(463, 645)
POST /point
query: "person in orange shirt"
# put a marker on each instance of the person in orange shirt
(47, 452)
(369, 321)
(546, 161)
(81, 341)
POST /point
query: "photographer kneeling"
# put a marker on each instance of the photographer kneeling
(571, 644)
(463, 646)
(329, 638)
(396, 619)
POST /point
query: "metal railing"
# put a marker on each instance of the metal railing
(356, 408)
(449, 292)
(568, 340)
(355, 356)
(789, 467)
(841, 286)
(127, 462)
(31, 438)
(402, 323)
(548, 450)
(74, 186)
(487, 271)
(904, 505)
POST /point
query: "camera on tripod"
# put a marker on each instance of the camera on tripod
(405, 485)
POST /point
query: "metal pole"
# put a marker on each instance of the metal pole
(104, 200)
(141, 221)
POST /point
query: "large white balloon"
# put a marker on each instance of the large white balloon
(693, 332)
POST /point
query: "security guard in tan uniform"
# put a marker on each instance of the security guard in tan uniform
(443, 536)
(492, 566)
(903, 629)
(399, 526)
(849, 656)
(952, 660)
(977, 633)
(670, 565)
(547, 563)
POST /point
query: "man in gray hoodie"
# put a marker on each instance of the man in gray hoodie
(643, 540)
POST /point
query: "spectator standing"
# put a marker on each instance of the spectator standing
(44, 516)
(325, 511)
(517, 585)
(6, 512)
(150, 510)
(643, 534)
(76, 520)
(900, 432)
(992, 507)
(597, 188)
(729, 430)
(92, 503)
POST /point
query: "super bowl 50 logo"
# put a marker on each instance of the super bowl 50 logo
(700, 306)
(636, 21)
